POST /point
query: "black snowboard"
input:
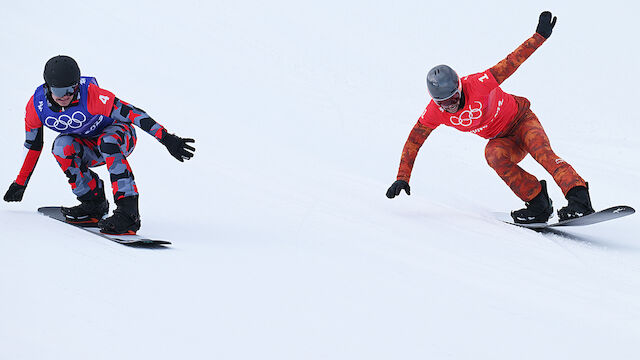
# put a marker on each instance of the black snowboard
(598, 216)
(132, 240)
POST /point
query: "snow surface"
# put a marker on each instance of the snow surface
(285, 246)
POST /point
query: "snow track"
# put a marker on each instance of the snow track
(284, 245)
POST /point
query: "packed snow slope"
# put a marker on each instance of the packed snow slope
(285, 246)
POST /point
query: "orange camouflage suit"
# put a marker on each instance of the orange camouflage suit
(512, 135)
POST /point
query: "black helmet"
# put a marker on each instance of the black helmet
(442, 82)
(61, 71)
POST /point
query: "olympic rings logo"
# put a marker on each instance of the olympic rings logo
(466, 118)
(64, 121)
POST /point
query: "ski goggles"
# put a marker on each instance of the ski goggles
(63, 91)
(450, 101)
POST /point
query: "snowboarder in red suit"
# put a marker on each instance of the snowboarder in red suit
(477, 104)
(96, 128)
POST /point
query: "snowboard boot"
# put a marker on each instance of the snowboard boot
(93, 206)
(125, 219)
(537, 210)
(579, 204)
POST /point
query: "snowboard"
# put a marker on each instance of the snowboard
(597, 217)
(131, 240)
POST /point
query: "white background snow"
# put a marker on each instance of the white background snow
(285, 246)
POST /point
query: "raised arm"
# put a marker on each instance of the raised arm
(506, 67)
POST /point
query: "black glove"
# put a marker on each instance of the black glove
(397, 187)
(178, 147)
(15, 192)
(545, 24)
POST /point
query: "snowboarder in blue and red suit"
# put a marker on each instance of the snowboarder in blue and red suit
(96, 128)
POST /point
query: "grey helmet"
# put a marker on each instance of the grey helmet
(442, 82)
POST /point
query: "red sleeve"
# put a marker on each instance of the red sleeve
(29, 164)
(33, 143)
(100, 101)
(417, 137)
(31, 119)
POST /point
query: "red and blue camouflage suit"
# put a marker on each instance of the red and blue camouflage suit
(76, 154)
(512, 128)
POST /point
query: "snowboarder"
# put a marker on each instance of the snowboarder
(477, 104)
(96, 128)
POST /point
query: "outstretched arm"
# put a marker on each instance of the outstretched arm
(505, 68)
(178, 147)
(125, 112)
(33, 147)
(417, 137)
